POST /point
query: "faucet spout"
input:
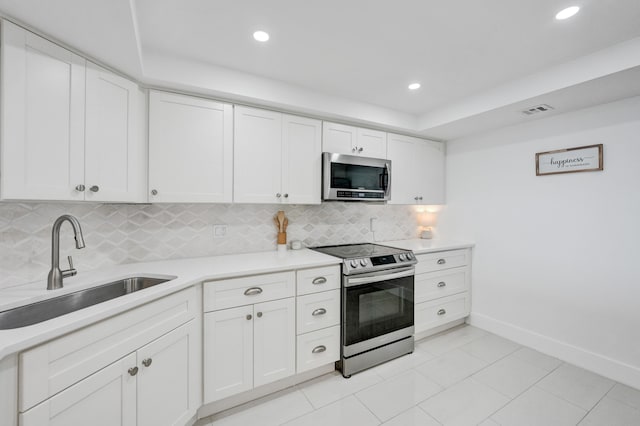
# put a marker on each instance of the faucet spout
(54, 280)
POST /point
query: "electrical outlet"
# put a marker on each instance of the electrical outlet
(219, 231)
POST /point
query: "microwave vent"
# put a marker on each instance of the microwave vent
(537, 109)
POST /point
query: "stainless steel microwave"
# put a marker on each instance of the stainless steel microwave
(355, 178)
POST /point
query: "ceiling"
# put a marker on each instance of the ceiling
(352, 60)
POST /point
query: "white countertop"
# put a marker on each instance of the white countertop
(188, 272)
(420, 246)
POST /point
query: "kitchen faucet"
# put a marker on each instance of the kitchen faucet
(54, 281)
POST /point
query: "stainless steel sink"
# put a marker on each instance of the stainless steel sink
(57, 306)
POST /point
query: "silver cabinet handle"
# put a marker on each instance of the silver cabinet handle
(259, 314)
(147, 362)
(133, 371)
(442, 312)
(318, 312)
(252, 291)
(319, 349)
(442, 284)
(441, 261)
(154, 192)
(278, 195)
(249, 317)
(319, 280)
(80, 188)
(94, 188)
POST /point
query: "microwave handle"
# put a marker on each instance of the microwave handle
(384, 177)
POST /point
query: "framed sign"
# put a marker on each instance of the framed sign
(570, 160)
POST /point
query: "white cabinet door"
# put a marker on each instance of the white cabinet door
(190, 149)
(432, 162)
(372, 143)
(228, 352)
(301, 159)
(417, 170)
(339, 138)
(274, 343)
(350, 140)
(167, 392)
(43, 94)
(106, 398)
(257, 156)
(115, 163)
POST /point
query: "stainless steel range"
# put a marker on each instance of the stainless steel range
(377, 304)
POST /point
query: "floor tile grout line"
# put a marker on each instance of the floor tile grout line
(597, 403)
(368, 409)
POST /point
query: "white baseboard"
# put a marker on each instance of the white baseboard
(600, 364)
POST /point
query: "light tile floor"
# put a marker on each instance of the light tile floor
(465, 376)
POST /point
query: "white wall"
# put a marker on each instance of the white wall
(556, 264)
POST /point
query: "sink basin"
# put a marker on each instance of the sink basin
(57, 306)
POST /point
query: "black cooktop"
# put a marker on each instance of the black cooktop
(349, 251)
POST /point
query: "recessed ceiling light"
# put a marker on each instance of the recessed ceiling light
(261, 36)
(414, 86)
(567, 13)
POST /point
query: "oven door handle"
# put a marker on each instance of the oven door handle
(377, 278)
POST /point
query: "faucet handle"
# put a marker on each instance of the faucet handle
(69, 272)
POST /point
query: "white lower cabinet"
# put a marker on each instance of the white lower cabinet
(139, 368)
(248, 346)
(149, 387)
(442, 289)
(106, 398)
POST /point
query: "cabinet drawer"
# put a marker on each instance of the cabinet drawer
(225, 294)
(53, 366)
(318, 279)
(441, 311)
(318, 348)
(318, 310)
(438, 261)
(434, 285)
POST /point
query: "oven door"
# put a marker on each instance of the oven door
(377, 309)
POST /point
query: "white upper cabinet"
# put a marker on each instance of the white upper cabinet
(190, 149)
(277, 157)
(115, 153)
(50, 96)
(350, 140)
(417, 170)
(301, 159)
(43, 92)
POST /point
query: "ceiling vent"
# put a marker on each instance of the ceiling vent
(537, 109)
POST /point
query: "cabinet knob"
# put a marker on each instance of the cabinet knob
(319, 349)
(252, 291)
(278, 195)
(249, 317)
(354, 149)
(259, 314)
(154, 192)
(133, 371)
(420, 198)
(360, 149)
(442, 284)
(147, 362)
(94, 188)
(416, 198)
(442, 312)
(80, 188)
(286, 195)
(319, 280)
(441, 261)
(319, 311)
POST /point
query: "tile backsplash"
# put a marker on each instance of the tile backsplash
(116, 234)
